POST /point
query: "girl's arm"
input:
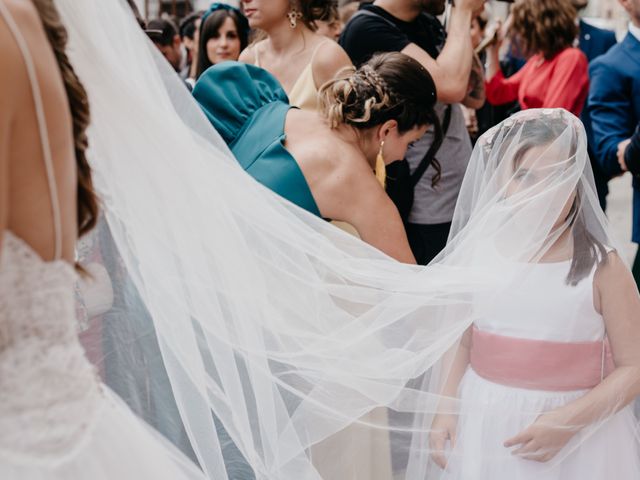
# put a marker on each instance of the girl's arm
(618, 301)
(457, 365)
(445, 424)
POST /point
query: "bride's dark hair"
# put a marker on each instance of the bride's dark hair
(79, 106)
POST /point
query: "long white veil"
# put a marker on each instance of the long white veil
(261, 340)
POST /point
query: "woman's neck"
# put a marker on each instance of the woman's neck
(282, 39)
(358, 140)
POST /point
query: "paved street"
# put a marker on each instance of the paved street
(619, 213)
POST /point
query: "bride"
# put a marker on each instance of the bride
(275, 329)
(56, 420)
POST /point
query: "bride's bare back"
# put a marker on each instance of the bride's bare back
(25, 199)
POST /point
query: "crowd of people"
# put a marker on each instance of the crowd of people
(474, 321)
(484, 69)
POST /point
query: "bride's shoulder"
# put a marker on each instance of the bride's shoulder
(24, 14)
(13, 77)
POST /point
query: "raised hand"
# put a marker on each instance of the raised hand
(472, 5)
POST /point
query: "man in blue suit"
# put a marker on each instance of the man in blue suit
(593, 42)
(614, 106)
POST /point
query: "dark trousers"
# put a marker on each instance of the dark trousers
(601, 180)
(427, 241)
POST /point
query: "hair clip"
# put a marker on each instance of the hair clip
(216, 6)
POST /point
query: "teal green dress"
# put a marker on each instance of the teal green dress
(248, 107)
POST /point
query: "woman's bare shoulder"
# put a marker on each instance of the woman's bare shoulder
(251, 53)
(13, 75)
(330, 59)
(248, 55)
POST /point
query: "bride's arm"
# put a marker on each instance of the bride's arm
(616, 298)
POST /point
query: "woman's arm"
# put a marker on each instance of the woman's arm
(500, 90)
(450, 71)
(476, 95)
(370, 210)
(348, 191)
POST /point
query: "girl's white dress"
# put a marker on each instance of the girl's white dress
(538, 305)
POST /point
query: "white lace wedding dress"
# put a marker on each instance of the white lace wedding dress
(57, 421)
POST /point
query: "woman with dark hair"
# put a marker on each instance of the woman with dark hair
(301, 59)
(224, 33)
(58, 421)
(556, 74)
(324, 162)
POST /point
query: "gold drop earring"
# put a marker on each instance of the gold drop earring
(294, 15)
(380, 169)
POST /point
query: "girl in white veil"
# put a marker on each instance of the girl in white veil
(547, 371)
(275, 331)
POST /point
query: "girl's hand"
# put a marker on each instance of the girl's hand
(542, 440)
(443, 428)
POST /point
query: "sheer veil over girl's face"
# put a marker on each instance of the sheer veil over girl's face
(260, 339)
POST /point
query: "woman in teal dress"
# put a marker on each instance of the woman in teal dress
(324, 162)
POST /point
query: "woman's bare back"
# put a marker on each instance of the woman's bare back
(343, 184)
(25, 199)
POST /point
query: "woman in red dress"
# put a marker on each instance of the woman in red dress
(556, 74)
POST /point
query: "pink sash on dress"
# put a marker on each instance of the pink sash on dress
(539, 364)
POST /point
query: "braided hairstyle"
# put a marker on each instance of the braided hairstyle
(390, 86)
(79, 107)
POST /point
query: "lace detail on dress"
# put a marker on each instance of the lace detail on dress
(49, 393)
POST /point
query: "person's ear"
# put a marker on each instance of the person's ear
(386, 128)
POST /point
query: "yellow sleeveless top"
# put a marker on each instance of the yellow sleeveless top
(304, 93)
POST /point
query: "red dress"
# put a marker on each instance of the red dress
(562, 82)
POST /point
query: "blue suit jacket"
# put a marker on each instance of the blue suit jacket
(594, 42)
(614, 106)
